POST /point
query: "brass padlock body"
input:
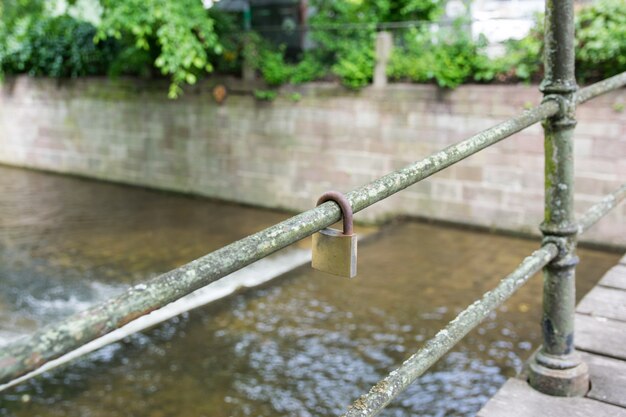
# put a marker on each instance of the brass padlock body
(334, 252)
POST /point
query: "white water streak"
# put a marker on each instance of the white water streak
(253, 275)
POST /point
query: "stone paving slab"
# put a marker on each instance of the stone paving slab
(601, 338)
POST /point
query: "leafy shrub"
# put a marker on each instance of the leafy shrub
(309, 68)
(523, 58)
(131, 60)
(355, 67)
(449, 59)
(349, 52)
(265, 95)
(270, 61)
(55, 46)
(229, 58)
(600, 46)
(276, 70)
(296, 97)
(181, 34)
(601, 40)
(403, 67)
(273, 67)
(182, 40)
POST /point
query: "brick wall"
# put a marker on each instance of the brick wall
(286, 153)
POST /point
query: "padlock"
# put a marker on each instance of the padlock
(334, 252)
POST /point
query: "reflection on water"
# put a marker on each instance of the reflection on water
(307, 345)
(66, 242)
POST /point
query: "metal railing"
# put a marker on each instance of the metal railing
(556, 255)
(26, 355)
(397, 381)
(51, 342)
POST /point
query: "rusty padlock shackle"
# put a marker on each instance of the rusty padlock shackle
(344, 205)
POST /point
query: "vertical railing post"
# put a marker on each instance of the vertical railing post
(556, 368)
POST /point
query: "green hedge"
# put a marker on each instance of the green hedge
(183, 41)
(600, 46)
(58, 47)
(449, 59)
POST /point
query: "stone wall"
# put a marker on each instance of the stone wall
(285, 153)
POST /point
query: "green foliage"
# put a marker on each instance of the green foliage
(338, 12)
(131, 60)
(523, 59)
(134, 37)
(273, 67)
(416, 68)
(55, 46)
(229, 59)
(265, 95)
(449, 58)
(355, 67)
(601, 40)
(454, 62)
(349, 52)
(330, 26)
(309, 68)
(600, 52)
(183, 41)
(415, 10)
(14, 11)
(600, 46)
(271, 63)
(180, 33)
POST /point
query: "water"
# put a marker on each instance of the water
(308, 344)
(66, 242)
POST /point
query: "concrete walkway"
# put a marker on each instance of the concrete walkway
(601, 339)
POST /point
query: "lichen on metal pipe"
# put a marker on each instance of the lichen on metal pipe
(599, 210)
(601, 87)
(51, 342)
(48, 343)
(411, 174)
(397, 381)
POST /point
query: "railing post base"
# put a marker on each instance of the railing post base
(556, 368)
(561, 376)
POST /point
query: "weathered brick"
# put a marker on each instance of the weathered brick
(283, 154)
(446, 190)
(608, 147)
(506, 176)
(596, 184)
(597, 129)
(482, 195)
(470, 173)
(526, 142)
(526, 200)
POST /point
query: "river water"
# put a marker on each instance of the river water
(307, 344)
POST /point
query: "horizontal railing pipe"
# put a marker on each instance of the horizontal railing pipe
(601, 87)
(393, 385)
(51, 342)
(599, 210)
(397, 381)
(399, 180)
(29, 353)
